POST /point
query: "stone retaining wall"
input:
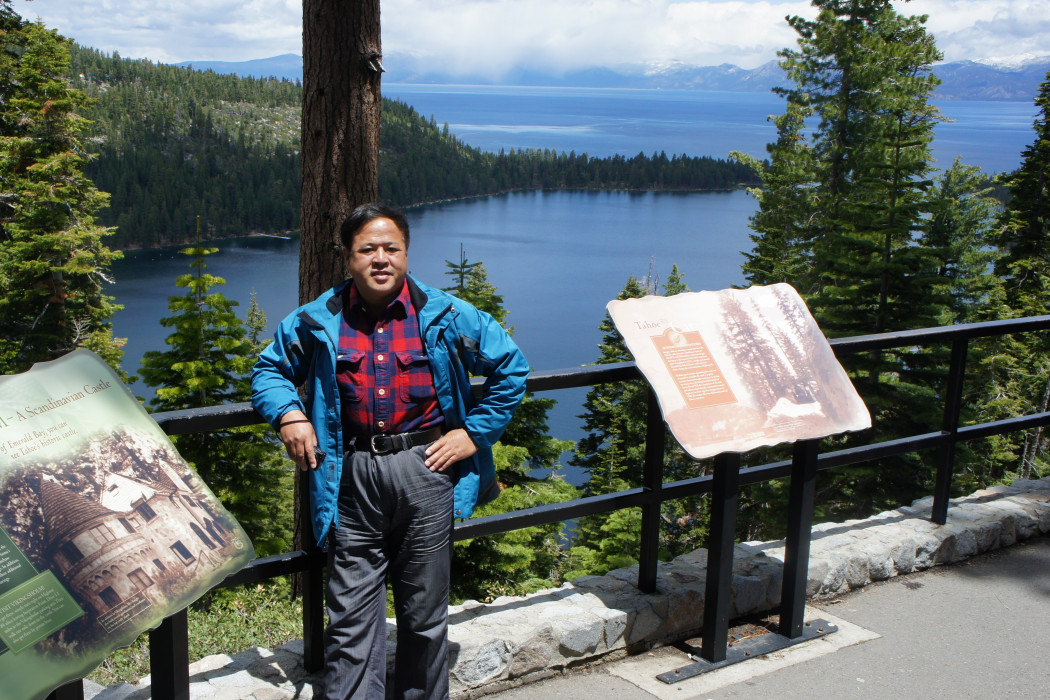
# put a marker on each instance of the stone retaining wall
(512, 638)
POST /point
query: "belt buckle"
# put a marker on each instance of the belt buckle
(375, 449)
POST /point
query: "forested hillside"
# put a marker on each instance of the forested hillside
(174, 143)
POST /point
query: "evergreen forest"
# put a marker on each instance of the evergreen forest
(174, 143)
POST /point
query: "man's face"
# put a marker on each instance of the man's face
(377, 261)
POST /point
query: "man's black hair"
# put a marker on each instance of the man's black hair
(370, 212)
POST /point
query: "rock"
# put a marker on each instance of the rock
(485, 662)
(614, 624)
(534, 655)
(749, 594)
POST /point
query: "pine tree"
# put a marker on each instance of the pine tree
(1021, 368)
(207, 364)
(613, 448)
(783, 235)
(1025, 234)
(53, 262)
(960, 234)
(844, 209)
(528, 428)
(529, 559)
(865, 72)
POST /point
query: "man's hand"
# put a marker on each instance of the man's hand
(299, 439)
(452, 447)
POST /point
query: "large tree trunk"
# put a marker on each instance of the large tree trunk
(340, 130)
(340, 149)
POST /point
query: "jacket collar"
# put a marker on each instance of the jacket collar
(419, 297)
(335, 300)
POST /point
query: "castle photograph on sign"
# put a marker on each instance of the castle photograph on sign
(123, 528)
(739, 368)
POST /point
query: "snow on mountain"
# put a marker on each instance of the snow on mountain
(1011, 78)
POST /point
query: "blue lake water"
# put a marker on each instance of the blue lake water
(558, 257)
(604, 122)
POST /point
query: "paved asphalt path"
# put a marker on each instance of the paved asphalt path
(977, 629)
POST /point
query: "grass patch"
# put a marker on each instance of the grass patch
(225, 621)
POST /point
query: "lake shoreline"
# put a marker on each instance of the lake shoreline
(292, 235)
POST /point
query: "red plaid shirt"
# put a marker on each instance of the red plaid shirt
(385, 385)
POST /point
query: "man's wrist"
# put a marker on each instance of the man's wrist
(293, 420)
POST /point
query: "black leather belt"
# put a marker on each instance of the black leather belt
(389, 444)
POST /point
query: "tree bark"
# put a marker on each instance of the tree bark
(340, 151)
(340, 130)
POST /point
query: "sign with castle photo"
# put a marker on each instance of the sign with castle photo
(104, 529)
(739, 368)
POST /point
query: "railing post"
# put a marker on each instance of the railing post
(796, 549)
(652, 480)
(313, 588)
(169, 658)
(719, 584)
(74, 690)
(950, 425)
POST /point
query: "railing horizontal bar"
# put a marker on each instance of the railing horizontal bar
(1007, 425)
(271, 567)
(235, 415)
(240, 414)
(293, 562)
(882, 341)
(557, 512)
(890, 448)
(573, 377)
(552, 513)
(200, 420)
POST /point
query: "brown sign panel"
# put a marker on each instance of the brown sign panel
(739, 368)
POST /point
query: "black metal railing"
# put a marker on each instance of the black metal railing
(169, 644)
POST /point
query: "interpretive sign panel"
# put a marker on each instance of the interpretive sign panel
(104, 529)
(739, 368)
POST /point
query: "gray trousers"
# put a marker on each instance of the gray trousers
(395, 516)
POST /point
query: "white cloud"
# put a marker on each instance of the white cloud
(498, 35)
(168, 31)
(981, 29)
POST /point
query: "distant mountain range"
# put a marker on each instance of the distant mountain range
(960, 80)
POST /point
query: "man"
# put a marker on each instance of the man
(396, 445)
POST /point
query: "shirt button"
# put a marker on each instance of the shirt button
(381, 424)
(382, 392)
(379, 357)
(379, 330)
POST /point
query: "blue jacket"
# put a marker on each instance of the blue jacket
(460, 341)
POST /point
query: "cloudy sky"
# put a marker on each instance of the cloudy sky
(463, 35)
